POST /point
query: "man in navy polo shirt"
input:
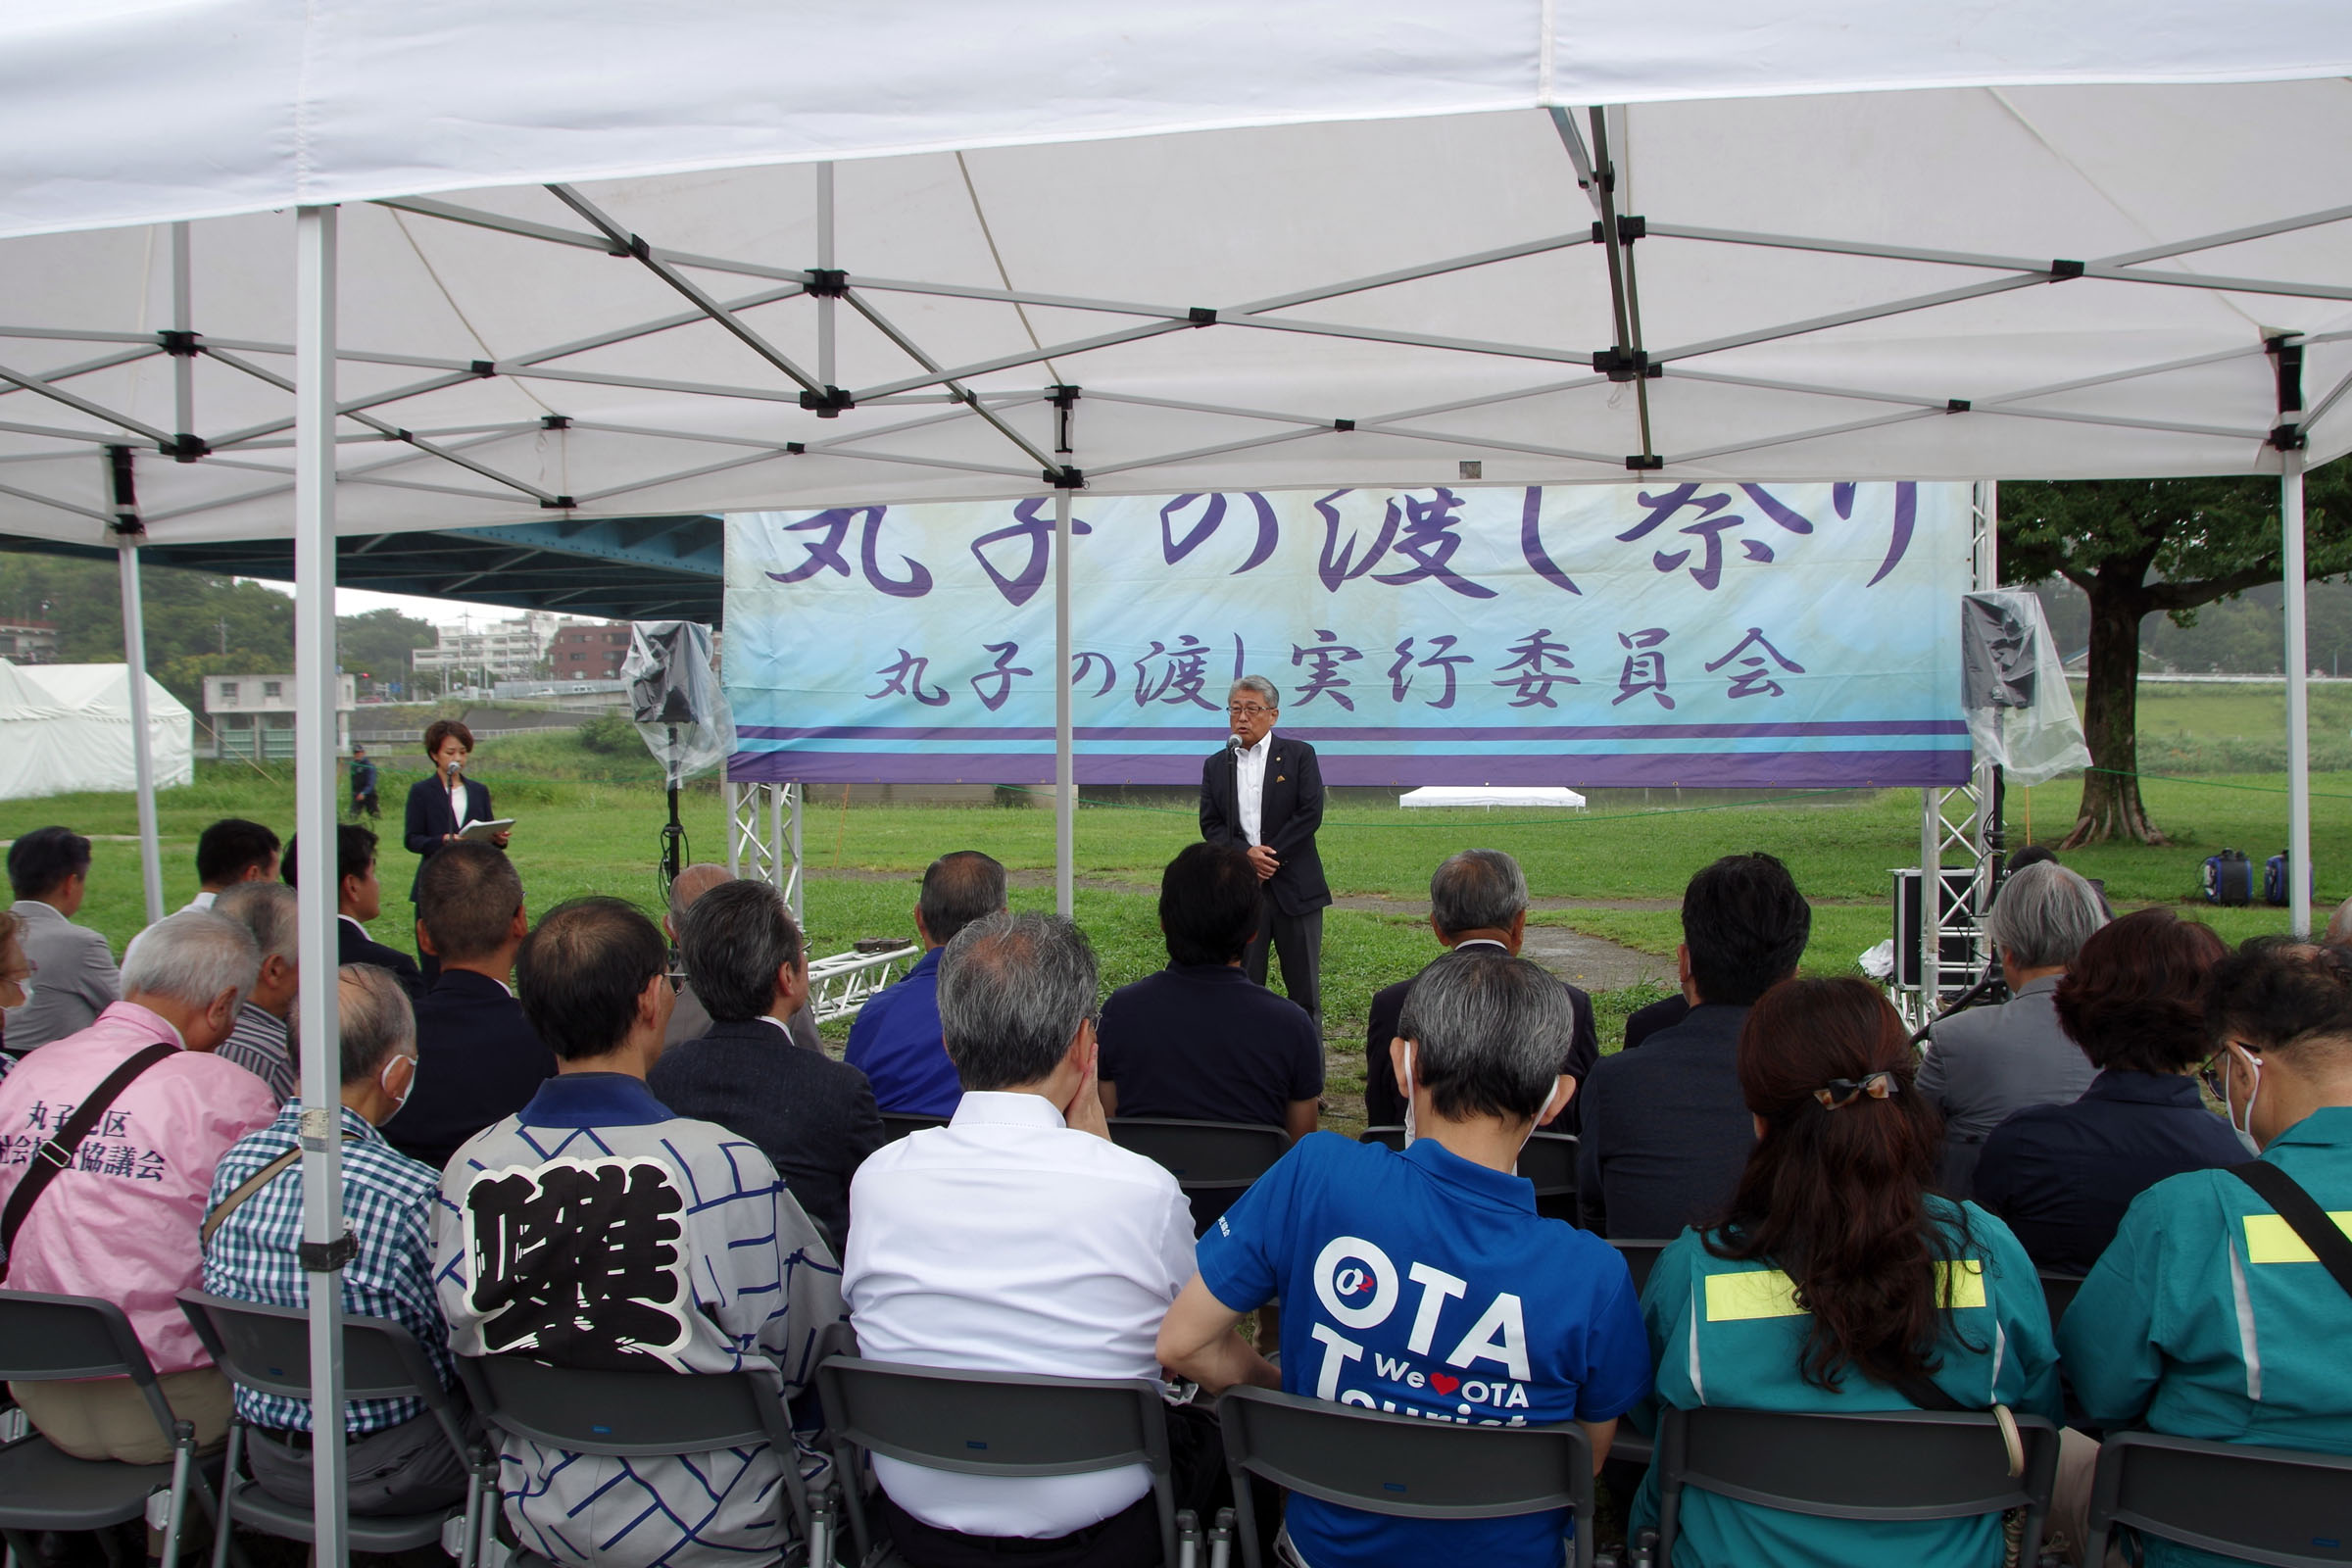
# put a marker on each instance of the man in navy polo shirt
(1422, 1282)
(896, 1041)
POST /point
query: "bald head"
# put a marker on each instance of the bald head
(691, 884)
(2339, 927)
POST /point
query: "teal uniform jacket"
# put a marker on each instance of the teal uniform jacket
(2208, 1317)
(1728, 1333)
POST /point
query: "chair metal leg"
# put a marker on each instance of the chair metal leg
(183, 1456)
(1220, 1540)
(470, 1555)
(1245, 1514)
(844, 1471)
(229, 1487)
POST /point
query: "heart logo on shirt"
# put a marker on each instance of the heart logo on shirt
(1443, 1383)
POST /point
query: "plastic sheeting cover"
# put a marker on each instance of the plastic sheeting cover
(2021, 712)
(675, 699)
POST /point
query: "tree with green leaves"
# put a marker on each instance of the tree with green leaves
(2144, 547)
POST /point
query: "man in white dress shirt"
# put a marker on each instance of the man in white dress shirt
(1020, 1238)
(1263, 793)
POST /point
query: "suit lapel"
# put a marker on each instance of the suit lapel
(1265, 785)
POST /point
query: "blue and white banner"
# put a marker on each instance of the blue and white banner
(1741, 635)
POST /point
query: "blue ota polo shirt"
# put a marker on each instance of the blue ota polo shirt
(897, 1044)
(1423, 1283)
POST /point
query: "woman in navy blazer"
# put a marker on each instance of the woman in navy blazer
(431, 820)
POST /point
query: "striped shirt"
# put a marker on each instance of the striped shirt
(261, 1045)
(387, 1203)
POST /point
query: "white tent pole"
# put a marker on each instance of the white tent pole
(1065, 762)
(142, 738)
(316, 824)
(2298, 694)
(824, 259)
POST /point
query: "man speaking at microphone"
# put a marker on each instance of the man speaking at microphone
(1265, 793)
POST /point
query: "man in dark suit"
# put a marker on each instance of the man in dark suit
(358, 898)
(1477, 898)
(811, 1116)
(478, 1059)
(1265, 794)
(1666, 1130)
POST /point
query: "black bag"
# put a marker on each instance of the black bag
(2228, 879)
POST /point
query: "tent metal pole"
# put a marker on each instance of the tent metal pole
(315, 824)
(826, 300)
(183, 313)
(2298, 693)
(142, 734)
(789, 804)
(1065, 762)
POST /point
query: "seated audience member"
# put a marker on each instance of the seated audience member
(1199, 1039)
(895, 1040)
(230, 852)
(689, 1020)
(398, 1460)
(594, 1228)
(117, 1220)
(811, 1116)
(358, 898)
(1477, 898)
(1840, 1281)
(75, 975)
(2208, 1317)
(16, 976)
(263, 1041)
(1666, 1130)
(477, 1058)
(1020, 1238)
(1985, 1065)
(2061, 1176)
(1422, 1282)
(1663, 1014)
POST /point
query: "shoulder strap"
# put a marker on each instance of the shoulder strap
(1922, 1391)
(58, 1152)
(2303, 1214)
(251, 1185)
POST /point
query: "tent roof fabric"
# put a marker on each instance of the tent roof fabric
(1271, 247)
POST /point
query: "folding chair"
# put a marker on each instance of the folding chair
(1389, 1133)
(51, 1338)
(633, 1415)
(1640, 1257)
(998, 1423)
(897, 1124)
(1548, 1160)
(1401, 1465)
(2268, 1506)
(2058, 1290)
(268, 1349)
(1884, 1465)
(1213, 1161)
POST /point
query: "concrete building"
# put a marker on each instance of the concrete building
(502, 650)
(28, 641)
(589, 651)
(252, 716)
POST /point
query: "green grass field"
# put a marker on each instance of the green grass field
(589, 823)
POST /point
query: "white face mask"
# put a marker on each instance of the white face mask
(384, 1077)
(2245, 1133)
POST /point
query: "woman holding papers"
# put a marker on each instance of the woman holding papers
(443, 803)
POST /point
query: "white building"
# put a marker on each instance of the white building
(502, 650)
(252, 716)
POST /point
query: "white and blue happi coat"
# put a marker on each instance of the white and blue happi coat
(594, 1228)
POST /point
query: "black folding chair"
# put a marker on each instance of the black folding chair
(1401, 1465)
(997, 1424)
(268, 1349)
(1640, 1257)
(1548, 1160)
(2058, 1290)
(1890, 1464)
(1213, 1161)
(897, 1124)
(53, 1338)
(634, 1415)
(2268, 1505)
(1389, 1133)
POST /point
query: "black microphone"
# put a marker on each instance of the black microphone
(1238, 744)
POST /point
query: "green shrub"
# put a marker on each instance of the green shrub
(610, 734)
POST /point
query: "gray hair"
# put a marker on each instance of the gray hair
(1489, 1032)
(2043, 915)
(734, 941)
(375, 1020)
(1012, 990)
(270, 911)
(1477, 890)
(1260, 686)
(690, 885)
(192, 957)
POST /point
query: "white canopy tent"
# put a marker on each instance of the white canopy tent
(69, 727)
(552, 265)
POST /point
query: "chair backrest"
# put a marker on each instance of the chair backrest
(2267, 1505)
(1202, 1155)
(1405, 1465)
(1892, 1464)
(897, 1124)
(2058, 1290)
(1549, 1161)
(1640, 1256)
(44, 1337)
(598, 1411)
(267, 1348)
(1391, 1134)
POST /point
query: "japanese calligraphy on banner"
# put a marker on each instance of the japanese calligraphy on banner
(1733, 635)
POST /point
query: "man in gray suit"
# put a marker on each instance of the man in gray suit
(1987, 1064)
(689, 1019)
(75, 978)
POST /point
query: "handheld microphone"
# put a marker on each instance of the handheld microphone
(1238, 744)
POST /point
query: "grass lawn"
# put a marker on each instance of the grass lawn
(589, 824)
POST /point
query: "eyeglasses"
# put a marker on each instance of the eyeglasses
(1247, 710)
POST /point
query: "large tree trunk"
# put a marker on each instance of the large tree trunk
(2111, 809)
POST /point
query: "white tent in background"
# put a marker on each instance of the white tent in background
(69, 727)
(1490, 796)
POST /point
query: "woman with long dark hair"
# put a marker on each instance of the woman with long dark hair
(1837, 1279)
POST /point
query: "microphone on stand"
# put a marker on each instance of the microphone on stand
(1238, 744)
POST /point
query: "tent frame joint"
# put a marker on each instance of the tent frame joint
(555, 422)
(828, 403)
(1626, 364)
(184, 448)
(1631, 226)
(2061, 271)
(557, 504)
(329, 1257)
(1641, 461)
(827, 282)
(1066, 477)
(181, 344)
